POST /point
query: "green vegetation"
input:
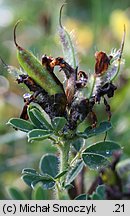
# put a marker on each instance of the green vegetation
(69, 149)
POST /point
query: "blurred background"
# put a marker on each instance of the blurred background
(97, 25)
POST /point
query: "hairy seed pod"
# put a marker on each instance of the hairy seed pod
(36, 70)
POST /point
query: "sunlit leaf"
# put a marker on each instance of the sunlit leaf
(30, 171)
(38, 134)
(40, 117)
(21, 124)
(34, 120)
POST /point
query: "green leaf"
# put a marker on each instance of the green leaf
(32, 180)
(104, 148)
(40, 117)
(21, 124)
(39, 193)
(102, 128)
(16, 194)
(45, 183)
(96, 155)
(74, 171)
(38, 134)
(94, 161)
(61, 174)
(82, 197)
(28, 179)
(30, 171)
(49, 164)
(34, 120)
(77, 143)
(58, 123)
(99, 194)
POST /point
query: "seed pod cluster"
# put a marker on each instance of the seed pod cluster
(76, 100)
(42, 81)
(36, 70)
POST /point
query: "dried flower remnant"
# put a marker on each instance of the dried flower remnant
(72, 102)
(106, 71)
(67, 106)
(102, 63)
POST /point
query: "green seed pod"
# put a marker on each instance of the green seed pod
(37, 71)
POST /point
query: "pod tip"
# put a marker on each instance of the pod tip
(61, 14)
(16, 44)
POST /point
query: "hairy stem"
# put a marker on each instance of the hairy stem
(64, 148)
(64, 156)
